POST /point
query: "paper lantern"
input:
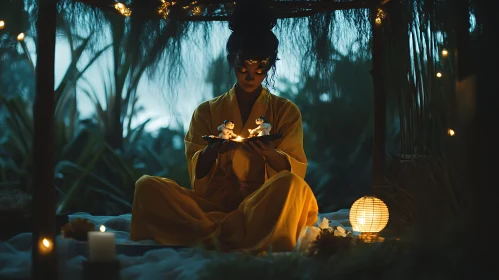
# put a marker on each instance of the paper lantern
(368, 215)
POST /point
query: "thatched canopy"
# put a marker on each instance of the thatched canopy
(219, 10)
(152, 32)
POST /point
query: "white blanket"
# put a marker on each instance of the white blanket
(139, 260)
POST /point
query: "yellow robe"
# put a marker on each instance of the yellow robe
(242, 203)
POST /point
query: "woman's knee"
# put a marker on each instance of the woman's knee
(147, 184)
(289, 177)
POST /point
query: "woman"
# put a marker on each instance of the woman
(249, 197)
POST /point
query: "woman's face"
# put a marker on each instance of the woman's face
(250, 75)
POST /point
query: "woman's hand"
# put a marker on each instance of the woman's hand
(210, 154)
(266, 149)
(212, 150)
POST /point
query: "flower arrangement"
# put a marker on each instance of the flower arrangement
(325, 240)
(78, 229)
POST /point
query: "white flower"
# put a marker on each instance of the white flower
(307, 236)
(324, 224)
(339, 231)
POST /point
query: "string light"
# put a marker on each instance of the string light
(380, 15)
(2, 24)
(451, 132)
(45, 246)
(164, 9)
(196, 11)
(445, 52)
(123, 9)
(439, 75)
(102, 228)
(21, 37)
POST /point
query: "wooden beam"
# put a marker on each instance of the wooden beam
(379, 103)
(44, 257)
(284, 9)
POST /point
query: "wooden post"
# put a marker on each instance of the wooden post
(44, 257)
(379, 101)
(481, 138)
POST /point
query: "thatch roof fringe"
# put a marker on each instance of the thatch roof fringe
(219, 10)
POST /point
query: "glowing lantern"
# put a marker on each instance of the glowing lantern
(451, 132)
(2, 24)
(368, 215)
(439, 75)
(445, 52)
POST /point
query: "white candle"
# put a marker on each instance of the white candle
(101, 245)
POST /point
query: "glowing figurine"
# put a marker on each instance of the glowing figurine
(262, 129)
(226, 130)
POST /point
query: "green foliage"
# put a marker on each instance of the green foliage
(97, 177)
(338, 127)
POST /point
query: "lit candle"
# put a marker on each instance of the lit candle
(101, 245)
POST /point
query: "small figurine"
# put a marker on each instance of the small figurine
(263, 127)
(226, 130)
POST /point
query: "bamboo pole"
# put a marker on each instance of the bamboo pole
(44, 257)
(379, 137)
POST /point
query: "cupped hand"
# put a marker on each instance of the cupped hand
(261, 147)
(222, 147)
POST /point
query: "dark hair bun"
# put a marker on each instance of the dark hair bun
(252, 16)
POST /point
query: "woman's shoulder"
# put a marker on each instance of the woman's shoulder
(283, 103)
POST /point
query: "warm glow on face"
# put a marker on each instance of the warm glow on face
(102, 228)
(451, 132)
(21, 36)
(445, 53)
(2, 24)
(439, 75)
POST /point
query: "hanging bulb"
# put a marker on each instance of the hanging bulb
(2, 24)
(445, 52)
(196, 11)
(439, 75)
(123, 9)
(21, 37)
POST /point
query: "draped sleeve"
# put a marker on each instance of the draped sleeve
(291, 145)
(200, 125)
